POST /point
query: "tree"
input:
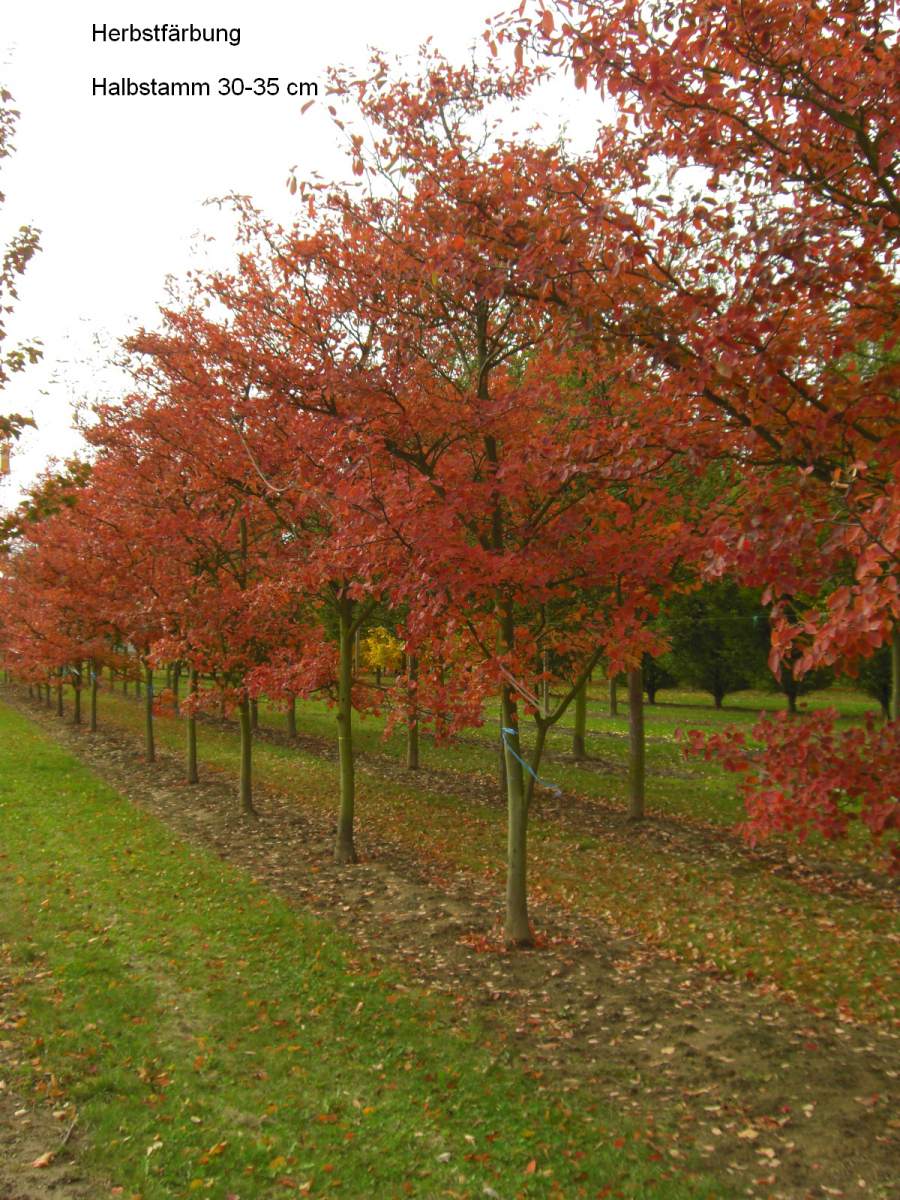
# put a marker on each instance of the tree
(16, 257)
(788, 110)
(875, 678)
(55, 600)
(190, 495)
(798, 145)
(523, 471)
(718, 638)
(657, 677)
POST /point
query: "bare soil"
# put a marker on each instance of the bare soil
(781, 1102)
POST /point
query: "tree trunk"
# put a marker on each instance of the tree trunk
(150, 740)
(344, 848)
(192, 773)
(578, 737)
(412, 723)
(292, 717)
(246, 792)
(895, 673)
(94, 687)
(59, 699)
(76, 694)
(792, 701)
(176, 688)
(517, 930)
(635, 745)
(48, 699)
(717, 699)
(254, 714)
(613, 696)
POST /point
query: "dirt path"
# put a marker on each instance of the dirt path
(780, 1102)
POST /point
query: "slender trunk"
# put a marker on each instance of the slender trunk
(344, 848)
(192, 774)
(76, 694)
(717, 699)
(292, 717)
(895, 673)
(94, 687)
(578, 737)
(636, 745)
(517, 929)
(613, 696)
(176, 688)
(246, 792)
(412, 722)
(412, 745)
(149, 739)
(59, 699)
(536, 755)
(792, 702)
(254, 714)
(137, 684)
(48, 700)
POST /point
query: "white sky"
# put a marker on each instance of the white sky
(117, 185)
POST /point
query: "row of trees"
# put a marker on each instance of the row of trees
(518, 398)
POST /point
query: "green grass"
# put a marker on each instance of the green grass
(676, 787)
(833, 951)
(217, 1042)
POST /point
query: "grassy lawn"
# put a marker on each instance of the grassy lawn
(218, 1043)
(833, 951)
(676, 787)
